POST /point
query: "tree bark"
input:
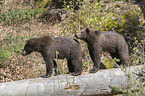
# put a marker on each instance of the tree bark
(100, 83)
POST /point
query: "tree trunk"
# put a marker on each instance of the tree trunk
(99, 83)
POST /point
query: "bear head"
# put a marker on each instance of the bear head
(83, 34)
(36, 44)
(31, 45)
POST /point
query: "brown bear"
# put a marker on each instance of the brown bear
(99, 42)
(66, 47)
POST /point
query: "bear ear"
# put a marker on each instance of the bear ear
(87, 29)
(26, 40)
(29, 42)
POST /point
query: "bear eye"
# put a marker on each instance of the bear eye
(29, 44)
(30, 48)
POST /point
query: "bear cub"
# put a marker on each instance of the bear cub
(98, 42)
(66, 47)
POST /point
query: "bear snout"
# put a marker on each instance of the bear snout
(76, 35)
(24, 53)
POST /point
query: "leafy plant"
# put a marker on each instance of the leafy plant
(18, 16)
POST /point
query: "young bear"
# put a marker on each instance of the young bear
(66, 47)
(99, 42)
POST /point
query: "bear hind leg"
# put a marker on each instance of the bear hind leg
(124, 58)
(78, 67)
(70, 67)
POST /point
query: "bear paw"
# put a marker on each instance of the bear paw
(56, 74)
(94, 70)
(45, 76)
(76, 73)
(69, 72)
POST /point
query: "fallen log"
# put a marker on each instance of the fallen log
(66, 85)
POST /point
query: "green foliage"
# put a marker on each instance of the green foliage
(9, 48)
(110, 23)
(18, 16)
(138, 56)
(109, 62)
(1, 3)
(135, 83)
(136, 86)
(43, 3)
(129, 22)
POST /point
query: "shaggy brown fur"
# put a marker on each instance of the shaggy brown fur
(66, 47)
(99, 42)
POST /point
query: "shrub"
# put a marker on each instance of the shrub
(19, 16)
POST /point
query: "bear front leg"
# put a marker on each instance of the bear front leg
(96, 60)
(49, 67)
